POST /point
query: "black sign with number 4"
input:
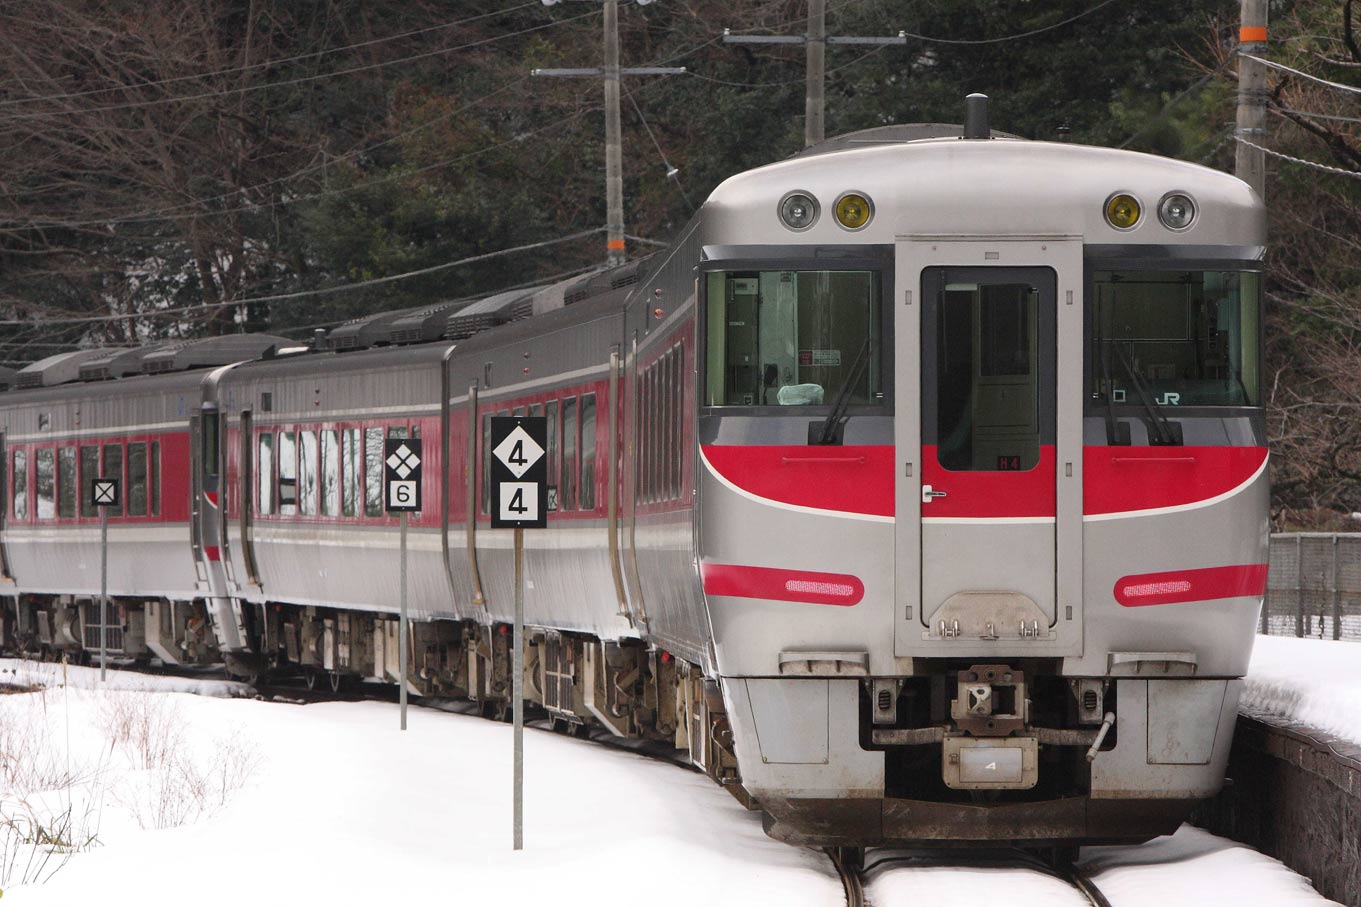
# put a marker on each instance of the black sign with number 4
(519, 472)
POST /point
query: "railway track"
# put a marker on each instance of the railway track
(851, 866)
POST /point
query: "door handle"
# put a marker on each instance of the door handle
(929, 494)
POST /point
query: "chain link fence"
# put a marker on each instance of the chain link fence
(1314, 586)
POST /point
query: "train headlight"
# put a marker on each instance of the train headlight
(854, 210)
(798, 210)
(1176, 211)
(1122, 211)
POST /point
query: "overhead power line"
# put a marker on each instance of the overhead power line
(1015, 37)
(1313, 165)
(248, 67)
(197, 96)
(306, 294)
(1351, 89)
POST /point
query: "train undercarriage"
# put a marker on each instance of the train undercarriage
(995, 752)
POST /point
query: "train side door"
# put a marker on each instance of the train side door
(990, 493)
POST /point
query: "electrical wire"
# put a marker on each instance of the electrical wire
(263, 64)
(1313, 165)
(672, 173)
(1168, 107)
(299, 79)
(1319, 116)
(1352, 89)
(306, 294)
(1016, 37)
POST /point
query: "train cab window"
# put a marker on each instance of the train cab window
(567, 496)
(89, 470)
(330, 472)
(113, 469)
(1175, 338)
(307, 473)
(373, 472)
(288, 473)
(20, 511)
(66, 482)
(350, 474)
(987, 377)
(46, 481)
(264, 473)
(588, 452)
(153, 477)
(793, 338)
(137, 479)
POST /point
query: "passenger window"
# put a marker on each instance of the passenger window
(486, 463)
(588, 452)
(137, 479)
(21, 485)
(350, 474)
(288, 473)
(551, 414)
(397, 432)
(373, 472)
(307, 473)
(330, 472)
(567, 491)
(536, 409)
(113, 469)
(792, 338)
(153, 477)
(46, 460)
(264, 474)
(89, 471)
(66, 482)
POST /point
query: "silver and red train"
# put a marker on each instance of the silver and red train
(918, 491)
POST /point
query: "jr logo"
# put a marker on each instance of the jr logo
(1169, 399)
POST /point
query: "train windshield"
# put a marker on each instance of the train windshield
(793, 338)
(1176, 338)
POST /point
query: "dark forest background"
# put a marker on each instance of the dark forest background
(175, 161)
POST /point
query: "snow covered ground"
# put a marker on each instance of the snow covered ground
(172, 789)
(1310, 681)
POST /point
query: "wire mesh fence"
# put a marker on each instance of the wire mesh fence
(1314, 586)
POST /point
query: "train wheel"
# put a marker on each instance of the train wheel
(310, 676)
(336, 680)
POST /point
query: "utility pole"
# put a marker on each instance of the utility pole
(1249, 162)
(816, 41)
(615, 251)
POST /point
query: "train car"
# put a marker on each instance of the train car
(918, 490)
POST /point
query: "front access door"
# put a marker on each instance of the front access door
(988, 453)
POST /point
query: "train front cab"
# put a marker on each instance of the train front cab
(1053, 480)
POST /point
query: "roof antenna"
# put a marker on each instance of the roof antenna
(976, 117)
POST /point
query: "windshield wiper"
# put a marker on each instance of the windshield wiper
(1168, 434)
(827, 435)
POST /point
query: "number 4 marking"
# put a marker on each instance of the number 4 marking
(517, 455)
(517, 500)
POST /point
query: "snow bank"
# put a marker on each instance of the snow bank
(1308, 681)
(53, 675)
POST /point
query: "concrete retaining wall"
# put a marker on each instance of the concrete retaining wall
(1295, 795)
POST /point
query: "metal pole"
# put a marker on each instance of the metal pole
(1299, 586)
(517, 683)
(813, 130)
(1337, 593)
(402, 630)
(614, 151)
(1249, 163)
(103, 591)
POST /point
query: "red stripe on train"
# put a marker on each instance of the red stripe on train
(1205, 584)
(851, 479)
(781, 585)
(1120, 479)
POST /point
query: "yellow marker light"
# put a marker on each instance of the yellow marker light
(1122, 211)
(853, 211)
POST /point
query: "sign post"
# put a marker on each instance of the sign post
(519, 482)
(104, 494)
(402, 495)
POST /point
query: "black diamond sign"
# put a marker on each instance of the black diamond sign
(402, 475)
(104, 492)
(519, 472)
